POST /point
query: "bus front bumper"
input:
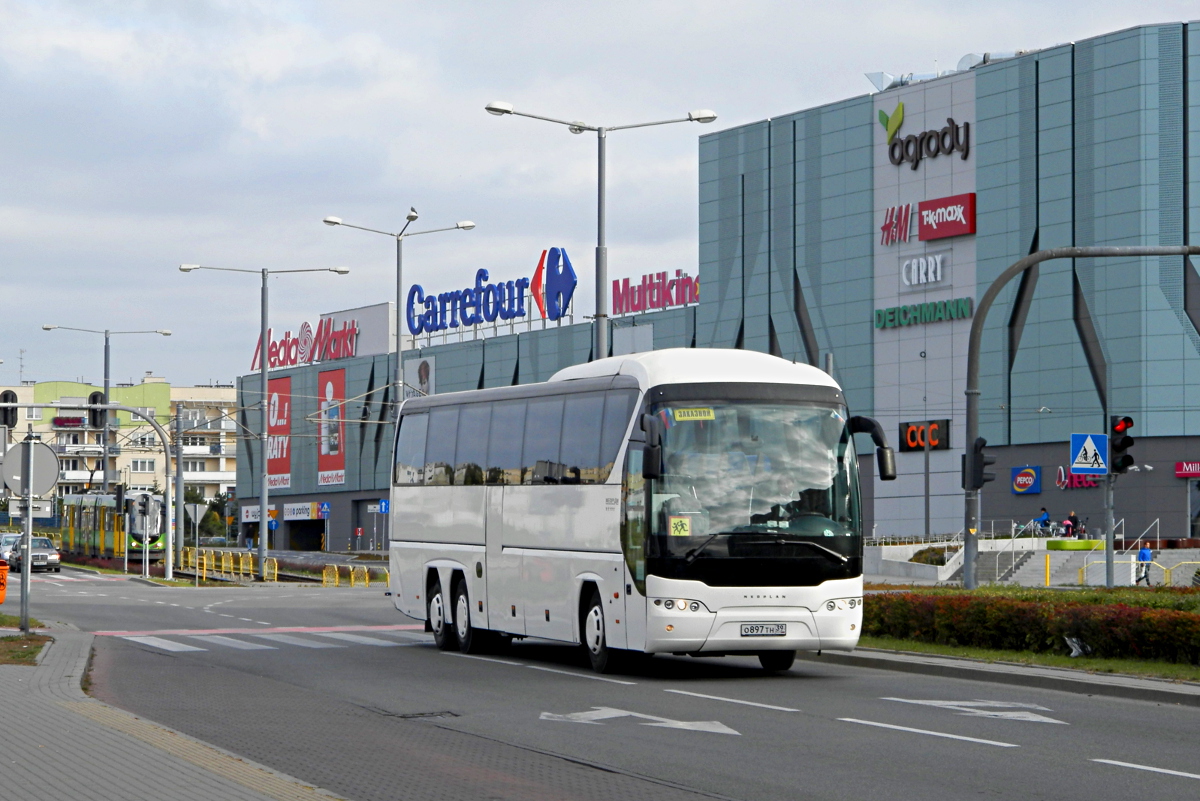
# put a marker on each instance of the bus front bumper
(750, 629)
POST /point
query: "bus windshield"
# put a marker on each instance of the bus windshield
(756, 481)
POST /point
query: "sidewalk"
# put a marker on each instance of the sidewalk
(1048, 678)
(59, 743)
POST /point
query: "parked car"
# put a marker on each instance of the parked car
(45, 556)
(7, 543)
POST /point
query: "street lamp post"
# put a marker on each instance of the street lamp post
(108, 334)
(501, 108)
(410, 218)
(264, 516)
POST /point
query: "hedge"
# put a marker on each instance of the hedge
(982, 621)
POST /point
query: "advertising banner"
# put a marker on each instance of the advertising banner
(931, 434)
(331, 428)
(419, 375)
(279, 433)
(946, 217)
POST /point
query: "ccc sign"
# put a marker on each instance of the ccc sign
(931, 434)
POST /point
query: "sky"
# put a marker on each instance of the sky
(136, 136)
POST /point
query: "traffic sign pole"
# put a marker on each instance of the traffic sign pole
(27, 538)
(1109, 525)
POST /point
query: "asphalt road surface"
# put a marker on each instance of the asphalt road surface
(338, 689)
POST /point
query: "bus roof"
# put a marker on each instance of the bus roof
(700, 365)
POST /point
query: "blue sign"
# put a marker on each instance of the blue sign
(552, 287)
(323, 510)
(384, 506)
(1089, 454)
(1027, 480)
(272, 524)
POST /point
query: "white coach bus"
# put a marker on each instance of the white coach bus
(692, 501)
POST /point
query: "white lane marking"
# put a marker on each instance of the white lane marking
(580, 675)
(288, 639)
(410, 635)
(178, 604)
(1147, 767)
(230, 642)
(246, 619)
(733, 700)
(262, 622)
(988, 709)
(165, 645)
(599, 713)
(485, 659)
(356, 638)
(163, 602)
(930, 733)
(225, 615)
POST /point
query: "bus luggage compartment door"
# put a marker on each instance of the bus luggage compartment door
(502, 571)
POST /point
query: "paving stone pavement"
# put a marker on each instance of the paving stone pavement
(58, 743)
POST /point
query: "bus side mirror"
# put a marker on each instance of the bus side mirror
(885, 457)
(652, 459)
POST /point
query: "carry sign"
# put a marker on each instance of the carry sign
(1089, 454)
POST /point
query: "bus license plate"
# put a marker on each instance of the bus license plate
(764, 629)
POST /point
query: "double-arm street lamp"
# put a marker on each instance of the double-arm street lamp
(107, 364)
(465, 225)
(500, 108)
(264, 349)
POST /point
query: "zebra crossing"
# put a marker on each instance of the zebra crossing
(267, 640)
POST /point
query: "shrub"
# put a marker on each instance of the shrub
(990, 621)
(930, 556)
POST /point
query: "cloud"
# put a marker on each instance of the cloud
(138, 135)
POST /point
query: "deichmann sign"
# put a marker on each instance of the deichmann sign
(914, 436)
(921, 313)
(552, 286)
(946, 217)
(929, 144)
(656, 291)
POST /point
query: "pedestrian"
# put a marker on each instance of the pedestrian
(1144, 558)
(1072, 524)
(1042, 521)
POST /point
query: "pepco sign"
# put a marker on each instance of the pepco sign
(1027, 480)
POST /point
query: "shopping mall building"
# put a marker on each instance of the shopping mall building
(859, 234)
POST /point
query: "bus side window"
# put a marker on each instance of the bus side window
(504, 442)
(543, 432)
(471, 454)
(410, 450)
(618, 407)
(633, 516)
(580, 453)
(439, 445)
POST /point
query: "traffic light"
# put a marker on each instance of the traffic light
(973, 462)
(1119, 442)
(96, 417)
(120, 499)
(143, 505)
(8, 416)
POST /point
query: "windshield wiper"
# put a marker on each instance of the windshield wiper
(691, 555)
(832, 554)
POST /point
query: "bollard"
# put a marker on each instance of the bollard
(227, 561)
(1047, 569)
(202, 566)
(270, 570)
(329, 576)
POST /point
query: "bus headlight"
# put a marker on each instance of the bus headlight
(669, 604)
(831, 606)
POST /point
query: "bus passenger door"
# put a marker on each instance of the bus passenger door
(633, 547)
(505, 611)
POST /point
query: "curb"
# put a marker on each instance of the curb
(1019, 675)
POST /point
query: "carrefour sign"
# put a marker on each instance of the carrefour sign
(551, 287)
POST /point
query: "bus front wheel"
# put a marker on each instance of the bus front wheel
(443, 635)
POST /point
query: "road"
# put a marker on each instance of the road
(336, 688)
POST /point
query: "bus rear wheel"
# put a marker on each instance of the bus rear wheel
(776, 661)
(443, 635)
(470, 639)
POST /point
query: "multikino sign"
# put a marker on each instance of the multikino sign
(552, 286)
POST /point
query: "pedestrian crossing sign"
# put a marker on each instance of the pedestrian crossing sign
(1089, 454)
